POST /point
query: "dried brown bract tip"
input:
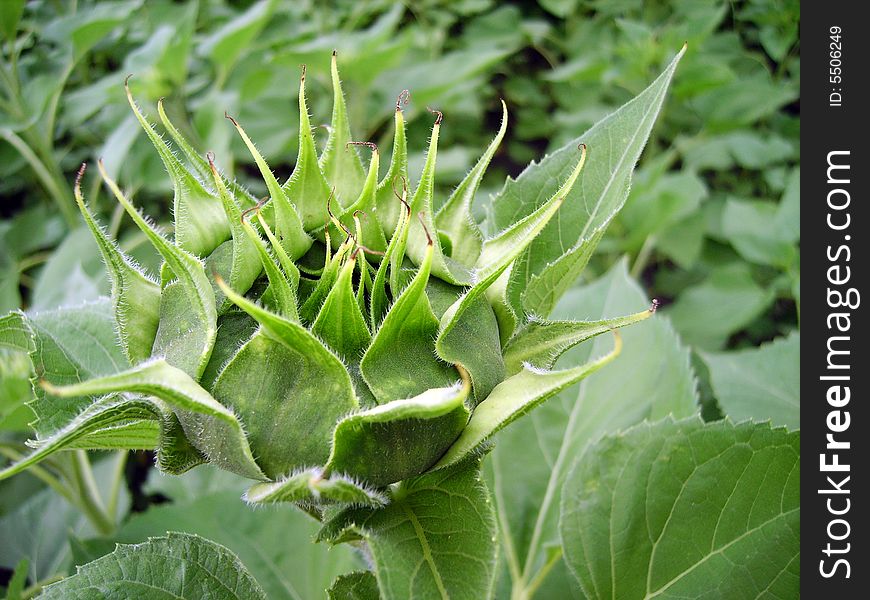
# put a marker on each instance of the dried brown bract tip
(404, 193)
(422, 216)
(127, 80)
(81, 174)
(255, 208)
(209, 156)
(302, 77)
(439, 116)
(655, 305)
(403, 99)
(371, 145)
(228, 116)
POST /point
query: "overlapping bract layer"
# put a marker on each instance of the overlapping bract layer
(333, 339)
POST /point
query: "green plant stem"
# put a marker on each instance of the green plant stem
(118, 474)
(48, 180)
(34, 590)
(643, 256)
(538, 579)
(89, 496)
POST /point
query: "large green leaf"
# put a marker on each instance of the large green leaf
(359, 585)
(436, 539)
(650, 379)
(760, 383)
(179, 565)
(549, 267)
(275, 544)
(684, 510)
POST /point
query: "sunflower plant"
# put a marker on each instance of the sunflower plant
(348, 343)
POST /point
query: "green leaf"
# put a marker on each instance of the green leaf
(359, 585)
(417, 549)
(652, 378)
(455, 219)
(312, 487)
(401, 438)
(10, 15)
(747, 225)
(82, 30)
(401, 361)
(759, 383)
(682, 509)
(16, 371)
(179, 565)
(18, 580)
(188, 316)
(210, 426)
(307, 188)
(135, 297)
(340, 163)
(274, 544)
(200, 222)
(226, 44)
(302, 389)
(557, 256)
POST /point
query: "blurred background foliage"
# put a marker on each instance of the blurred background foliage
(711, 226)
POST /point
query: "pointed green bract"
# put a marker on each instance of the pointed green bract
(188, 315)
(200, 222)
(399, 439)
(391, 261)
(455, 220)
(292, 234)
(311, 486)
(306, 188)
(401, 363)
(135, 297)
(541, 343)
(387, 210)
(211, 427)
(242, 264)
(513, 398)
(339, 162)
(420, 231)
(241, 195)
(300, 386)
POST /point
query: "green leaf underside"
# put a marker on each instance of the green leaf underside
(359, 585)
(554, 260)
(759, 383)
(311, 487)
(71, 345)
(188, 315)
(15, 333)
(399, 439)
(455, 219)
(683, 509)
(541, 343)
(209, 426)
(401, 362)
(200, 222)
(513, 398)
(284, 379)
(436, 539)
(178, 566)
(135, 297)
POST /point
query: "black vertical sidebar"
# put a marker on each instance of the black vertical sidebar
(835, 421)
